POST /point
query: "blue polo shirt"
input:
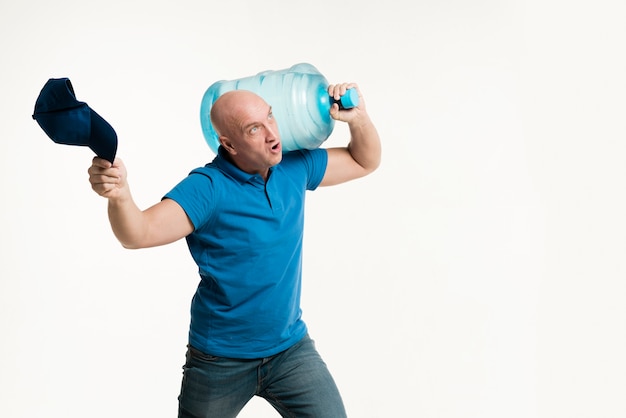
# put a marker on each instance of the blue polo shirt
(247, 242)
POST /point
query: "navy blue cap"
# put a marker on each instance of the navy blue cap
(67, 121)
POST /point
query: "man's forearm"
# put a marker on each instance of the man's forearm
(127, 221)
(364, 144)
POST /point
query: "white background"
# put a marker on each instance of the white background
(480, 272)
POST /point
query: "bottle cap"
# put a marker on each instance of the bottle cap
(350, 99)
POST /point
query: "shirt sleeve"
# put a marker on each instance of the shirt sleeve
(196, 195)
(316, 161)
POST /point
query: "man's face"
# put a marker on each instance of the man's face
(254, 140)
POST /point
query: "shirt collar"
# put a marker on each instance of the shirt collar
(222, 162)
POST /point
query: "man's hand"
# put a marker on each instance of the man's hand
(108, 180)
(348, 115)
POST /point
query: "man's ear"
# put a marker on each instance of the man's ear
(227, 144)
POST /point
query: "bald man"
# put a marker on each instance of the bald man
(243, 217)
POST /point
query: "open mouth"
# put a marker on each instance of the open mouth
(276, 147)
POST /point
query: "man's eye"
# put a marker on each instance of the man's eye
(254, 129)
(270, 116)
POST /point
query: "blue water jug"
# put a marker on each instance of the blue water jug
(299, 99)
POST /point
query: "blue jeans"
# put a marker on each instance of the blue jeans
(296, 383)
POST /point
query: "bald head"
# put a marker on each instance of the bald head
(247, 131)
(229, 108)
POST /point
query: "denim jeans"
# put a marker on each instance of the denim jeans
(296, 383)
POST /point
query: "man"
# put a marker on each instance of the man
(243, 217)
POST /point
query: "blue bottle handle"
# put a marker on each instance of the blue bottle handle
(348, 100)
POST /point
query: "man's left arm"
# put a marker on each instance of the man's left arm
(362, 155)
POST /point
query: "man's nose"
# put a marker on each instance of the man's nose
(271, 132)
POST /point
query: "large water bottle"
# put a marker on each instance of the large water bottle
(299, 99)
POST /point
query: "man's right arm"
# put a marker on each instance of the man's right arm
(161, 224)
